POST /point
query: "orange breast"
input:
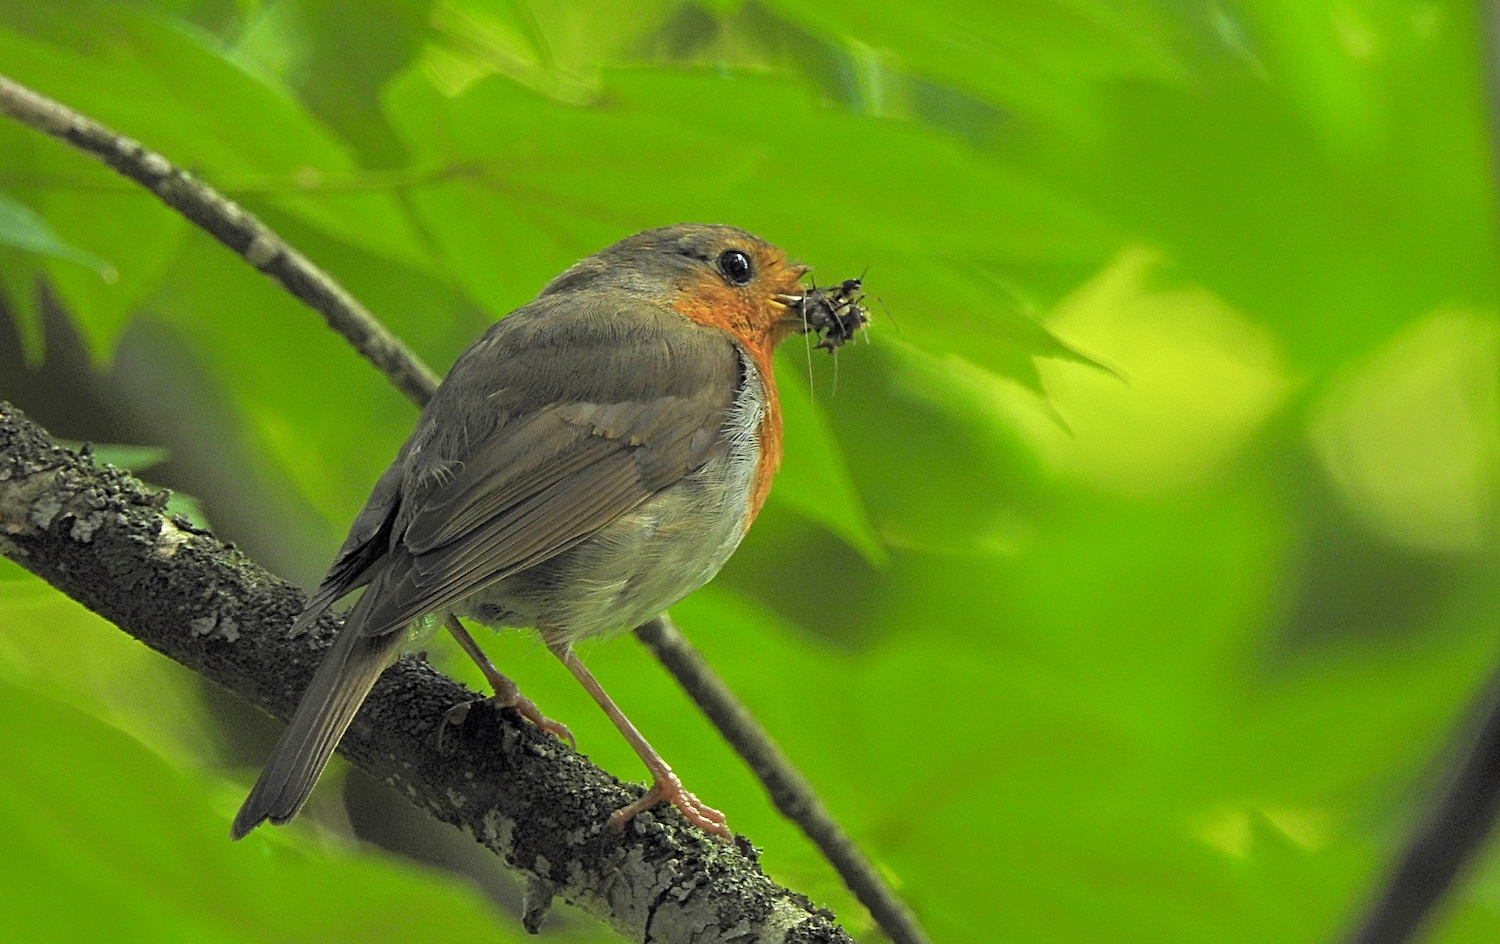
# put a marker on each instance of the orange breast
(757, 328)
(769, 459)
(758, 338)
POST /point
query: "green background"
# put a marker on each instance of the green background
(1165, 652)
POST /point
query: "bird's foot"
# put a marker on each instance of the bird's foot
(527, 709)
(507, 692)
(666, 787)
(524, 706)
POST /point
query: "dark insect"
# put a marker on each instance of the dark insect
(834, 314)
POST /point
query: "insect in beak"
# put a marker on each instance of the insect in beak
(834, 314)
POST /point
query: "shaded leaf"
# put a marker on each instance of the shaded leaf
(22, 228)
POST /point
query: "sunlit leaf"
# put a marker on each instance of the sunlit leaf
(161, 82)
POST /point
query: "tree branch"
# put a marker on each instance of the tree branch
(1451, 834)
(230, 224)
(263, 249)
(101, 537)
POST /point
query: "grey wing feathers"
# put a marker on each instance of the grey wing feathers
(544, 461)
(501, 513)
(528, 458)
(365, 547)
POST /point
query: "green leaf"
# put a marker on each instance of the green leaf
(813, 478)
(337, 56)
(1048, 60)
(171, 87)
(544, 183)
(312, 420)
(22, 228)
(107, 839)
(52, 643)
(21, 276)
(128, 226)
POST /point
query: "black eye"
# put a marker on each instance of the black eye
(736, 266)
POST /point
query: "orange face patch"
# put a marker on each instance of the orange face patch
(758, 322)
(750, 311)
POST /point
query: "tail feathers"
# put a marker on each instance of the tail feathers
(338, 689)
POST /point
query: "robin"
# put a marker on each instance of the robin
(592, 459)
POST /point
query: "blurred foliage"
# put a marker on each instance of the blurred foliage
(1168, 651)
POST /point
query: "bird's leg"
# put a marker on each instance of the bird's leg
(507, 693)
(664, 783)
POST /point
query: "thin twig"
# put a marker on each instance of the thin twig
(1444, 843)
(103, 538)
(263, 249)
(230, 224)
(359, 181)
(1442, 847)
(789, 790)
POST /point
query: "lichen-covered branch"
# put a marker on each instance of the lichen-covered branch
(102, 538)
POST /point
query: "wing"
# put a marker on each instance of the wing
(501, 476)
(364, 547)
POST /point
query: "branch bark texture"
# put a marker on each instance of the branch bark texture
(102, 538)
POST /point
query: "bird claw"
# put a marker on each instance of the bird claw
(666, 787)
(454, 717)
(527, 709)
(524, 706)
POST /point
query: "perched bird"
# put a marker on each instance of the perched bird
(593, 458)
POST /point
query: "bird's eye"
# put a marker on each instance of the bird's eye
(736, 266)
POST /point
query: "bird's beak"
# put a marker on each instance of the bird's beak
(791, 301)
(794, 272)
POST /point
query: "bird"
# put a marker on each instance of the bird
(594, 457)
